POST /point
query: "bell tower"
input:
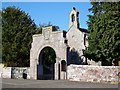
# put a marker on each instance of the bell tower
(74, 18)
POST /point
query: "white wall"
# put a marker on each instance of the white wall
(6, 72)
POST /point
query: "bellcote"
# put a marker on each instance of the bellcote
(74, 18)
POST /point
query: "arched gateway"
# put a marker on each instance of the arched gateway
(56, 41)
(47, 60)
(62, 43)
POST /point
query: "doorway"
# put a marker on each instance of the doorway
(45, 68)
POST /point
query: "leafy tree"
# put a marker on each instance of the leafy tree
(17, 31)
(0, 37)
(48, 56)
(39, 29)
(104, 28)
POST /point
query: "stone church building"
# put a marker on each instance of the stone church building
(68, 47)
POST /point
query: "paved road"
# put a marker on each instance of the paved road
(15, 83)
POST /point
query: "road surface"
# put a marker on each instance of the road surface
(22, 83)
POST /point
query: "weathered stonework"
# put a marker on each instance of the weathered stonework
(101, 74)
(68, 46)
(55, 40)
(6, 72)
(77, 39)
(15, 72)
(20, 73)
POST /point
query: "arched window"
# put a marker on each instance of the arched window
(63, 65)
(73, 17)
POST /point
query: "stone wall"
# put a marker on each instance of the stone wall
(15, 72)
(85, 73)
(20, 72)
(6, 72)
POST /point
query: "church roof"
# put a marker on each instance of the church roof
(83, 30)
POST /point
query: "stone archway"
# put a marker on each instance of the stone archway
(46, 65)
(54, 40)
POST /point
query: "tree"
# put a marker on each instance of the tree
(48, 56)
(39, 29)
(17, 31)
(0, 37)
(104, 38)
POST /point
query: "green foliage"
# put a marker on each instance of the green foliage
(0, 37)
(104, 28)
(39, 30)
(48, 56)
(17, 31)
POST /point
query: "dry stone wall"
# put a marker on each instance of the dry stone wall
(20, 72)
(15, 72)
(85, 73)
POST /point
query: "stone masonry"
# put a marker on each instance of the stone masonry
(100, 74)
(68, 46)
(55, 40)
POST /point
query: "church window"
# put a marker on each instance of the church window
(73, 17)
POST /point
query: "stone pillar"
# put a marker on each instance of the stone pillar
(63, 75)
(31, 65)
(57, 69)
(33, 69)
